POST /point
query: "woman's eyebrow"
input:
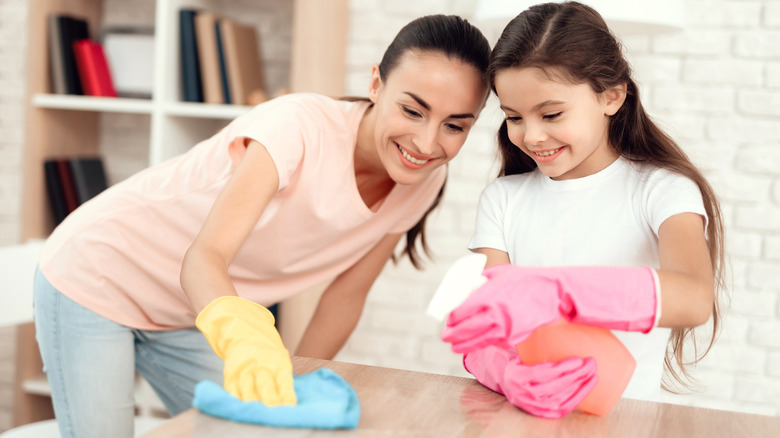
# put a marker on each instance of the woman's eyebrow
(427, 107)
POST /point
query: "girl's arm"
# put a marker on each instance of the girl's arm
(687, 279)
(204, 273)
(341, 304)
(685, 274)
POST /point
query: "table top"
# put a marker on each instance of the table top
(413, 404)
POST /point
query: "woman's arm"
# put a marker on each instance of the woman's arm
(686, 276)
(204, 272)
(341, 304)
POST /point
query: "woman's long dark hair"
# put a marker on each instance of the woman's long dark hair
(457, 39)
(570, 41)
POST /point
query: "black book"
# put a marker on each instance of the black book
(190, 64)
(71, 29)
(55, 191)
(89, 177)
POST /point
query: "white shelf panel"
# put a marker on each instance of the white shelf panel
(205, 110)
(90, 103)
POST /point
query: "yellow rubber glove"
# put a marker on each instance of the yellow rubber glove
(257, 366)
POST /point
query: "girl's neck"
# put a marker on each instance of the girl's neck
(373, 181)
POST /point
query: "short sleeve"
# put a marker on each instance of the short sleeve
(282, 126)
(489, 226)
(668, 194)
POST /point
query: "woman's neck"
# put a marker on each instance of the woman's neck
(373, 181)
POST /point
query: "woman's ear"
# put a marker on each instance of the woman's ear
(614, 98)
(375, 84)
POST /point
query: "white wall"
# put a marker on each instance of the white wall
(715, 86)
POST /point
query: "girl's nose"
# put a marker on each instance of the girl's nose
(534, 134)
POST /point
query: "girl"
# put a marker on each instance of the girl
(299, 190)
(590, 185)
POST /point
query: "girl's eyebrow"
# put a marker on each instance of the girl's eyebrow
(537, 106)
(427, 107)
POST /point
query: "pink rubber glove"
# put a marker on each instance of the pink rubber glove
(516, 300)
(548, 390)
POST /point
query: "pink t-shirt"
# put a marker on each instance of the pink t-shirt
(120, 254)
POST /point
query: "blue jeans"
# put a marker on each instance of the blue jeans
(91, 361)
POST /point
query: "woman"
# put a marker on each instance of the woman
(300, 190)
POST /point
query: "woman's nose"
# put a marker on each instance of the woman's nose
(426, 139)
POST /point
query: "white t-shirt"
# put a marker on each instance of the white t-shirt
(120, 254)
(610, 218)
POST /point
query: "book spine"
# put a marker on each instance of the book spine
(56, 66)
(67, 184)
(72, 30)
(190, 68)
(89, 177)
(54, 189)
(102, 71)
(223, 72)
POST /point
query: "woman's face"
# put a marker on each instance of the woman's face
(423, 111)
(563, 127)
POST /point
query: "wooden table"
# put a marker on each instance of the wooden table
(397, 403)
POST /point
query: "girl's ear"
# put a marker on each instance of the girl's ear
(375, 84)
(614, 98)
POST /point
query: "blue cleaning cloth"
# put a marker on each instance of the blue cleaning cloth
(325, 401)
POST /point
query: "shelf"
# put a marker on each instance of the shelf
(37, 385)
(205, 110)
(90, 103)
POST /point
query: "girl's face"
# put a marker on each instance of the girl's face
(423, 112)
(563, 127)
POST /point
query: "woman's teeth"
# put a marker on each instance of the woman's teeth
(411, 158)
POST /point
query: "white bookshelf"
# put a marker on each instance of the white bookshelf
(64, 125)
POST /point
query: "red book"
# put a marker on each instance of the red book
(68, 185)
(93, 69)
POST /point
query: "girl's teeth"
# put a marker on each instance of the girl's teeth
(411, 158)
(546, 154)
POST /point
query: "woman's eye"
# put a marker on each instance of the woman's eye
(552, 116)
(453, 127)
(410, 112)
(513, 119)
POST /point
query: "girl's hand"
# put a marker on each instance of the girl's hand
(503, 311)
(549, 390)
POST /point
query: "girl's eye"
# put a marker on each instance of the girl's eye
(513, 119)
(454, 127)
(410, 112)
(552, 116)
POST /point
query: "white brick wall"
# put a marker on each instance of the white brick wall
(715, 86)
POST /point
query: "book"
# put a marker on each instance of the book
(208, 57)
(190, 65)
(93, 69)
(222, 66)
(67, 184)
(243, 59)
(68, 30)
(56, 63)
(89, 177)
(54, 190)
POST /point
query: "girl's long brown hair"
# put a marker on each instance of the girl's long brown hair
(572, 40)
